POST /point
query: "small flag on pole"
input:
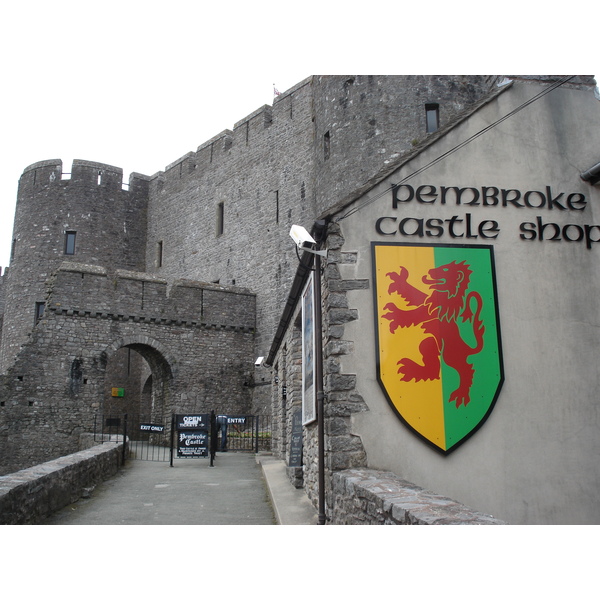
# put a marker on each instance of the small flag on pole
(276, 92)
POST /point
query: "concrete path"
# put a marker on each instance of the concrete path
(236, 491)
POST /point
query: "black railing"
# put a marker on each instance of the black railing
(251, 433)
(150, 438)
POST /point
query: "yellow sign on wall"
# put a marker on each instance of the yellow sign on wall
(118, 392)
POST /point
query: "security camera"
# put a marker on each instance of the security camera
(259, 361)
(301, 237)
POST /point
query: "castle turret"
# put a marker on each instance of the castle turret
(87, 216)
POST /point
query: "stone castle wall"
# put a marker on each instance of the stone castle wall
(2, 301)
(197, 338)
(108, 220)
(219, 215)
(365, 122)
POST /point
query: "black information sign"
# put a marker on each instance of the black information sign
(192, 435)
(296, 443)
(192, 444)
(193, 422)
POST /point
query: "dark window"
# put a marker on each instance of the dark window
(70, 242)
(159, 254)
(326, 146)
(432, 115)
(220, 218)
(39, 310)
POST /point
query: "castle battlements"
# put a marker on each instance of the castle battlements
(92, 291)
(247, 136)
(83, 172)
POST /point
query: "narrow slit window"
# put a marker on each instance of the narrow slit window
(326, 146)
(220, 219)
(39, 310)
(432, 116)
(70, 242)
(159, 254)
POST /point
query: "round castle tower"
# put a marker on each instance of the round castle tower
(87, 217)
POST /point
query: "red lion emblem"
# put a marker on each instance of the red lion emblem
(436, 314)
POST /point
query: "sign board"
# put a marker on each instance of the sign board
(192, 435)
(296, 440)
(309, 398)
(152, 427)
(118, 392)
(192, 421)
(192, 444)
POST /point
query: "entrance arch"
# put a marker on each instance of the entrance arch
(138, 378)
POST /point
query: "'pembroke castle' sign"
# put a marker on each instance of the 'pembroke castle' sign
(467, 227)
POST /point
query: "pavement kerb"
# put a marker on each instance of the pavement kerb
(290, 505)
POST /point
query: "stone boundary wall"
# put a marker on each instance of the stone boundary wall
(29, 496)
(370, 497)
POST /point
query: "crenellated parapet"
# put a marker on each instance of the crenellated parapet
(92, 291)
(249, 139)
(83, 173)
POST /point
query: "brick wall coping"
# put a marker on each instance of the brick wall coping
(29, 496)
(372, 497)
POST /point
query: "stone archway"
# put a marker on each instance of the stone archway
(140, 370)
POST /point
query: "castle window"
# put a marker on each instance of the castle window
(70, 242)
(220, 218)
(39, 310)
(432, 116)
(159, 254)
(326, 146)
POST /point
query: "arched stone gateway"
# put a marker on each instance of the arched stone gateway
(189, 348)
(138, 378)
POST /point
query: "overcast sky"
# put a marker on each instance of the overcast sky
(139, 84)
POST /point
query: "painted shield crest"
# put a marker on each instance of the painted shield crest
(439, 357)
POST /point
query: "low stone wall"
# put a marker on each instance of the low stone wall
(370, 497)
(29, 496)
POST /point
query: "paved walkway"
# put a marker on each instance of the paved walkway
(241, 489)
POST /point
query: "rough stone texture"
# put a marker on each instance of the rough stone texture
(29, 496)
(370, 497)
(109, 222)
(2, 301)
(266, 174)
(198, 339)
